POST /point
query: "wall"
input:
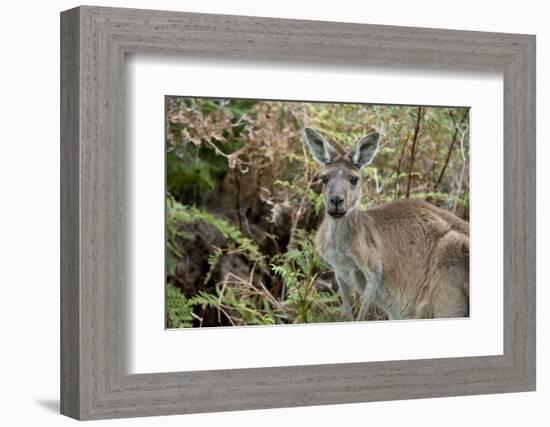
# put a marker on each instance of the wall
(29, 225)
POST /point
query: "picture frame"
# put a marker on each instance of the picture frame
(94, 381)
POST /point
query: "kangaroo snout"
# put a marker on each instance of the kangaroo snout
(336, 201)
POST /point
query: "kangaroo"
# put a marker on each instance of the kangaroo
(407, 257)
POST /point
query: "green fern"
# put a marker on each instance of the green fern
(178, 308)
(299, 268)
(184, 214)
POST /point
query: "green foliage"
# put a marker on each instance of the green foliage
(194, 167)
(299, 268)
(182, 214)
(244, 308)
(247, 303)
(178, 308)
(192, 175)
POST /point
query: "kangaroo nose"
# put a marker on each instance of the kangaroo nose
(336, 201)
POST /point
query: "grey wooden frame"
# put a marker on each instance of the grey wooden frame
(94, 41)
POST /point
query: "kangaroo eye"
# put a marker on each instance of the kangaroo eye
(354, 180)
(324, 179)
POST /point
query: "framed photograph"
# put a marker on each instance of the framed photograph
(261, 213)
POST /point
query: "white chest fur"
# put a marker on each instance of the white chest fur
(342, 260)
(349, 266)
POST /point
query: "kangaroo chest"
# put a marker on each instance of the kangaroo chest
(343, 262)
(354, 268)
(344, 265)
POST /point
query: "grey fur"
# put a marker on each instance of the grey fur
(365, 150)
(321, 150)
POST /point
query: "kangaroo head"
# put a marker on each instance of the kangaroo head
(341, 174)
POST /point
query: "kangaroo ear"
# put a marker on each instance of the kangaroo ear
(365, 150)
(320, 149)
